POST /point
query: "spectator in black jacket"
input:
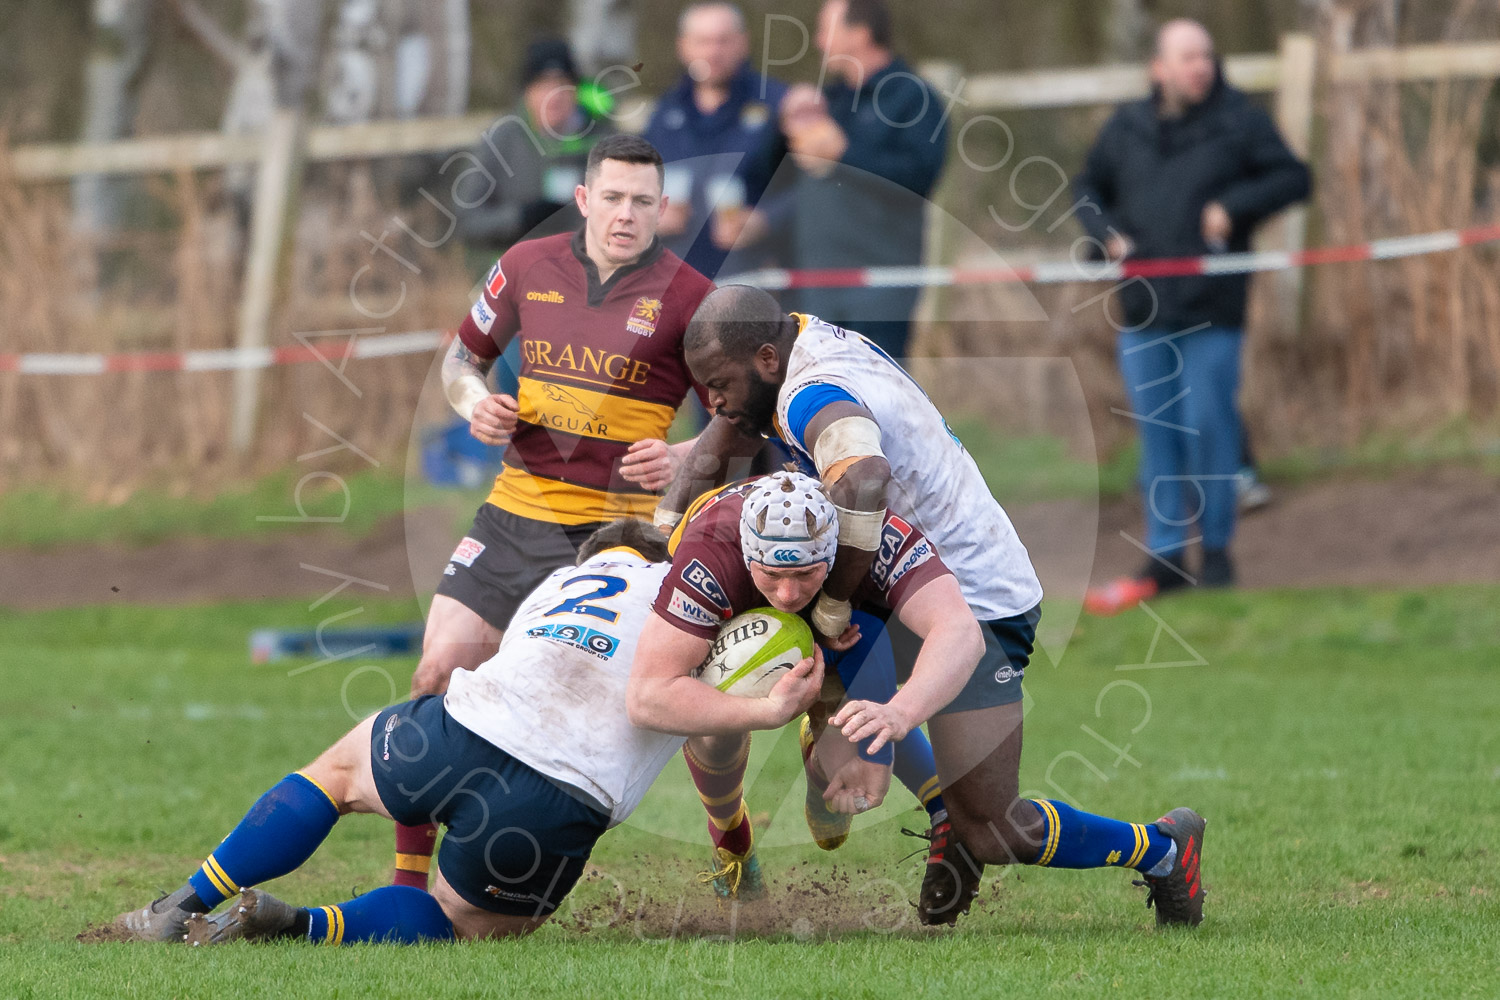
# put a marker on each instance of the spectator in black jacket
(1191, 170)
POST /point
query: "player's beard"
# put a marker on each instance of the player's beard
(760, 408)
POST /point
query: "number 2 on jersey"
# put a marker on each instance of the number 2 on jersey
(608, 586)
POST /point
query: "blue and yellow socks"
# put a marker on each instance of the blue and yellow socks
(1074, 839)
(278, 834)
(916, 768)
(396, 913)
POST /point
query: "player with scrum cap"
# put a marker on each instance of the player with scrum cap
(771, 541)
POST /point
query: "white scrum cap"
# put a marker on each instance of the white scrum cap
(787, 521)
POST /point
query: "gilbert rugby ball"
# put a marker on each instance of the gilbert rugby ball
(754, 650)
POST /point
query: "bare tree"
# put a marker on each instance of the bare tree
(602, 32)
(1129, 30)
(118, 53)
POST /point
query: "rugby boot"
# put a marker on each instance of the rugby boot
(162, 920)
(829, 829)
(951, 879)
(255, 914)
(1178, 895)
(736, 876)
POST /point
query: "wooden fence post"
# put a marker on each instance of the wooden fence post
(1294, 108)
(277, 179)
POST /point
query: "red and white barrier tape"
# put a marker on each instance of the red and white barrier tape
(230, 359)
(1044, 273)
(1064, 271)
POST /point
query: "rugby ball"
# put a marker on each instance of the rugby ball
(754, 650)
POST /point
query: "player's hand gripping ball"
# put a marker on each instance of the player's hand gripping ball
(754, 651)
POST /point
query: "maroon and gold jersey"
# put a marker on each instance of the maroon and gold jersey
(602, 367)
(709, 582)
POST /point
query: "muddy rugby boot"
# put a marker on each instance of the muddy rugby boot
(1178, 895)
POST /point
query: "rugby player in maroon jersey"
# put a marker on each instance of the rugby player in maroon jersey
(600, 316)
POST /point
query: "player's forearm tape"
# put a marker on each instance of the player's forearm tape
(464, 393)
(860, 529)
(831, 617)
(666, 519)
(846, 438)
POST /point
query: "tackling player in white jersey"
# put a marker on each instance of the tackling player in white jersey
(852, 417)
(527, 760)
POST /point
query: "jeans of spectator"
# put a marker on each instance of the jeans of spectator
(1183, 390)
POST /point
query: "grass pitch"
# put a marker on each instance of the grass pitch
(1343, 746)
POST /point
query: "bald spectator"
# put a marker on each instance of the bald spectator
(720, 111)
(870, 145)
(1191, 170)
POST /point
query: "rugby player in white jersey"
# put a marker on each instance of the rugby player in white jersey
(527, 760)
(853, 417)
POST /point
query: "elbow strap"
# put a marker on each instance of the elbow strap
(844, 439)
(860, 529)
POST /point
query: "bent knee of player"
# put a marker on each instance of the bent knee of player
(339, 769)
(996, 836)
(718, 751)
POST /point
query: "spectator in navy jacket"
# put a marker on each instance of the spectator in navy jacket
(1190, 170)
(712, 129)
(870, 146)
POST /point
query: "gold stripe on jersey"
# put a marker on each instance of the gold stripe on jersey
(692, 512)
(542, 499)
(588, 413)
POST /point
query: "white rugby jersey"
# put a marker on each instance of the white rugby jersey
(553, 696)
(934, 481)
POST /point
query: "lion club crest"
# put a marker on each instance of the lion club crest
(643, 317)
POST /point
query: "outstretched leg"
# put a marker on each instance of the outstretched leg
(979, 753)
(279, 833)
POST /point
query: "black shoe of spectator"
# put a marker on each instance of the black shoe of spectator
(1166, 577)
(1218, 569)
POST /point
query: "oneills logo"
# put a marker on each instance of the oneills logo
(549, 296)
(643, 317)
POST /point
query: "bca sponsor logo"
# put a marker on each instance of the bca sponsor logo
(697, 576)
(494, 282)
(468, 550)
(689, 610)
(483, 318)
(916, 557)
(893, 535)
